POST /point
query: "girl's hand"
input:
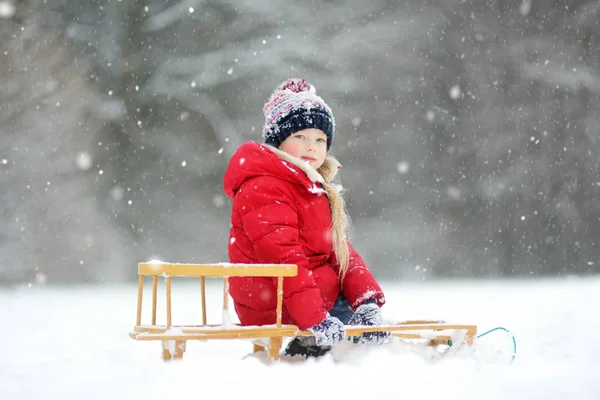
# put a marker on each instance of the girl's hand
(369, 314)
(329, 332)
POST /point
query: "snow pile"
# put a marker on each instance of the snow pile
(72, 343)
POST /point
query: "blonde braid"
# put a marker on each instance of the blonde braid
(340, 222)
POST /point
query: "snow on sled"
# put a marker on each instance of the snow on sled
(446, 337)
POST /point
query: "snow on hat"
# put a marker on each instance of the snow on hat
(295, 106)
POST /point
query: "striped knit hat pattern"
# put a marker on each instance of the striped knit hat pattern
(295, 106)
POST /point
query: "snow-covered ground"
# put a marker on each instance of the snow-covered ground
(72, 343)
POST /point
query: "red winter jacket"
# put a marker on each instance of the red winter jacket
(281, 214)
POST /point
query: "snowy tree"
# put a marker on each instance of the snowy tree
(53, 229)
(467, 130)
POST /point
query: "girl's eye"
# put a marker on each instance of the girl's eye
(300, 136)
(321, 140)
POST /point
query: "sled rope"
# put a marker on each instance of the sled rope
(499, 328)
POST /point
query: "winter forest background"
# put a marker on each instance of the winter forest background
(469, 131)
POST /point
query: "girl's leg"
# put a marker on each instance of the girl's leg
(341, 309)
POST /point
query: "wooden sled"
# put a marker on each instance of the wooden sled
(174, 337)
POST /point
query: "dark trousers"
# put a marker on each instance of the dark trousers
(341, 309)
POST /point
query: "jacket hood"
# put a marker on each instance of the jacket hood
(253, 159)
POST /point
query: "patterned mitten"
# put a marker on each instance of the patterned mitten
(329, 332)
(368, 314)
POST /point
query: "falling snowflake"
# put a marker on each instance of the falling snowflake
(7, 9)
(525, 7)
(218, 200)
(430, 116)
(453, 192)
(83, 160)
(402, 167)
(41, 278)
(117, 193)
(455, 92)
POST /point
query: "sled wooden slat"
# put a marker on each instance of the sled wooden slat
(399, 331)
(216, 270)
(279, 299)
(269, 337)
(209, 334)
(139, 299)
(225, 294)
(202, 297)
(168, 288)
(214, 329)
(154, 291)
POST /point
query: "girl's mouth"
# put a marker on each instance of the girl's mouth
(308, 159)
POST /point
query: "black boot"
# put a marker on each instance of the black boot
(306, 347)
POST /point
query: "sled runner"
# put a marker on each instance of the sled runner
(267, 338)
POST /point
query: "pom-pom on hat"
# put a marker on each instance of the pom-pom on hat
(295, 106)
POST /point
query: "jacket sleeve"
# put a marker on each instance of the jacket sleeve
(359, 284)
(270, 220)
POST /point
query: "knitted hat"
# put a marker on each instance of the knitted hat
(295, 106)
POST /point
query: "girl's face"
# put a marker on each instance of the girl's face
(309, 145)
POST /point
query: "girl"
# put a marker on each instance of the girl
(287, 210)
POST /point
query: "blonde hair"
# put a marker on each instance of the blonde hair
(340, 221)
